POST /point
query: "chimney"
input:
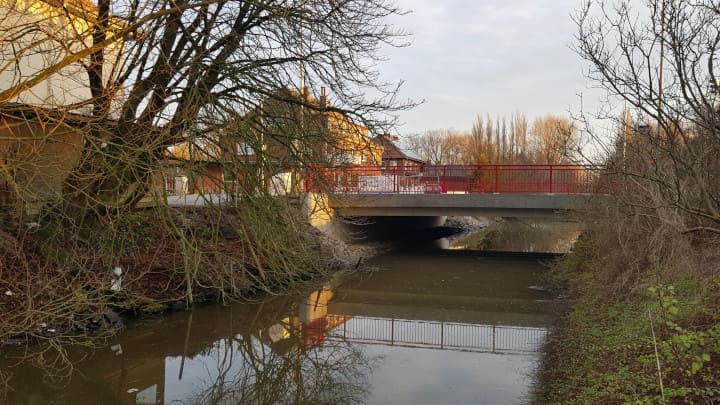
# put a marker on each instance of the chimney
(306, 93)
(323, 97)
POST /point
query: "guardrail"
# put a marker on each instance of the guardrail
(511, 178)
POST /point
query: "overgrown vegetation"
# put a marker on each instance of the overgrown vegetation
(56, 284)
(644, 278)
(645, 320)
(101, 98)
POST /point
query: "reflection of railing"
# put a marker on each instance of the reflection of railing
(507, 178)
(436, 335)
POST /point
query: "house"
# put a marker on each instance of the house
(42, 126)
(274, 143)
(37, 35)
(393, 156)
(291, 128)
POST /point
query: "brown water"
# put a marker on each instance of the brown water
(443, 327)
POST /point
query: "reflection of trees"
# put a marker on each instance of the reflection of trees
(524, 236)
(249, 354)
(251, 372)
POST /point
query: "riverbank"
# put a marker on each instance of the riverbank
(56, 286)
(643, 324)
(466, 321)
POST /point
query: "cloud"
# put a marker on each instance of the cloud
(495, 56)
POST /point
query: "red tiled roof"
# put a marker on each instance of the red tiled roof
(391, 151)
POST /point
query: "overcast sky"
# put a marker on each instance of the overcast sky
(490, 56)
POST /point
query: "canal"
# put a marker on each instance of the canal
(441, 326)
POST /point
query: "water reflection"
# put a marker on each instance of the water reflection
(444, 327)
(523, 235)
(436, 335)
(266, 353)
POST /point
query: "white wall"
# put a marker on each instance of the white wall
(35, 36)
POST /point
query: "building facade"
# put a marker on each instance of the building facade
(45, 110)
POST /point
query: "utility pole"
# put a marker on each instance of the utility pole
(297, 143)
(662, 69)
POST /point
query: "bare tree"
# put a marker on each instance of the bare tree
(441, 146)
(512, 144)
(154, 67)
(94, 94)
(553, 139)
(661, 61)
(520, 134)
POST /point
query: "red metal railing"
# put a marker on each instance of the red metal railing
(557, 179)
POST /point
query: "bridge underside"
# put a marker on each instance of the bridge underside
(424, 205)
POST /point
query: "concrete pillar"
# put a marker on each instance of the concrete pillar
(317, 209)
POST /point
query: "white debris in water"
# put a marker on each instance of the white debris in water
(9, 293)
(116, 282)
(132, 390)
(51, 330)
(43, 325)
(33, 225)
(117, 349)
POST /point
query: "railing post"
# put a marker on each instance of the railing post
(442, 334)
(551, 178)
(347, 180)
(496, 179)
(392, 331)
(493, 338)
(395, 180)
(443, 183)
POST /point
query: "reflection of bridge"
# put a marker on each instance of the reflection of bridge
(501, 190)
(434, 335)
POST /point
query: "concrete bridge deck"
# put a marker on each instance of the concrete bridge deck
(512, 190)
(492, 205)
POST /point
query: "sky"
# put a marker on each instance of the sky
(491, 56)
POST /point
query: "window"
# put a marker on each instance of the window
(245, 149)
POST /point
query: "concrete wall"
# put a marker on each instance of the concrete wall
(317, 209)
(36, 157)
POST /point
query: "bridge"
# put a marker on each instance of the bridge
(460, 190)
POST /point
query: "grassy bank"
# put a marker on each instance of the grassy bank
(58, 285)
(644, 318)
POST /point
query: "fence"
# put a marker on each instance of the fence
(558, 179)
(437, 335)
